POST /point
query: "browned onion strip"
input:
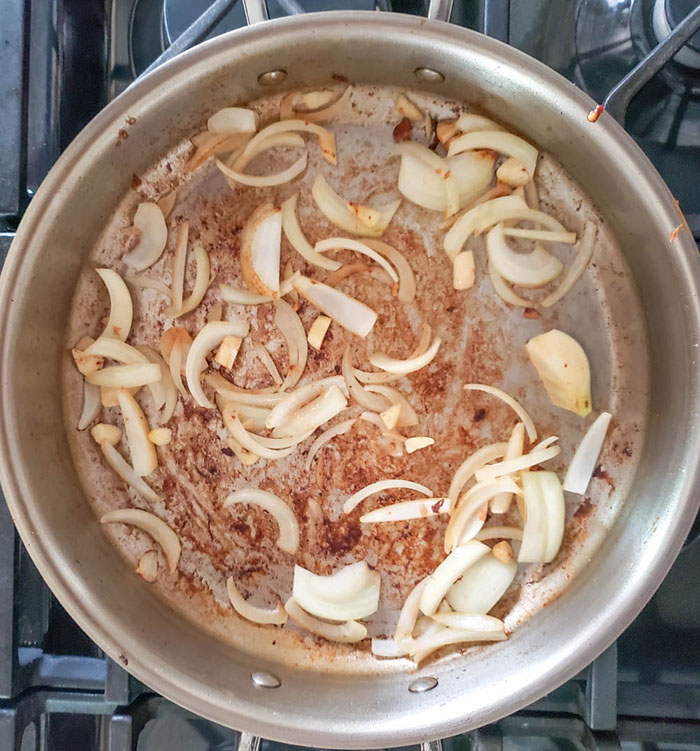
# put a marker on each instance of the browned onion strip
(407, 280)
(278, 616)
(345, 271)
(348, 632)
(327, 435)
(287, 110)
(153, 526)
(289, 323)
(117, 462)
(212, 144)
(326, 139)
(512, 403)
(177, 285)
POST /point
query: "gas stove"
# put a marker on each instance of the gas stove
(62, 61)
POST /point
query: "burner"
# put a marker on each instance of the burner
(666, 16)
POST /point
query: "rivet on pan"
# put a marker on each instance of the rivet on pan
(272, 77)
(266, 680)
(420, 685)
(428, 75)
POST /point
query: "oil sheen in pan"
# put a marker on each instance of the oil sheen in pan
(483, 341)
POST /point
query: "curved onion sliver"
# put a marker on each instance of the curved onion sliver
(289, 323)
(439, 166)
(447, 573)
(481, 586)
(374, 402)
(91, 405)
(544, 517)
(265, 181)
(150, 223)
(201, 283)
(468, 122)
(377, 487)
(121, 309)
(235, 296)
(153, 526)
(578, 265)
(248, 440)
(387, 648)
(326, 139)
(402, 367)
(510, 466)
(114, 349)
(278, 616)
(505, 291)
(582, 465)
(293, 233)
(473, 462)
(348, 632)
(498, 140)
(262, 352)
(145, 282)
(346, 243)
(291, 403)
(512, 403)
(330, 403)
(407, 280)
(210, 336)
(143, 453)
(284, 516)
(148, 566)
(499, 533)
(406, 622)
(533, 269)
(314, 115)
(233, 120)
(260, 250)
(514, 449)
(258, 398)
(127, 376)
(177, 285)
(117, 462)
(165, 388)
(398, 512)
(328, 434)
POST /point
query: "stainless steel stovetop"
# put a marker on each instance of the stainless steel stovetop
(62, 61)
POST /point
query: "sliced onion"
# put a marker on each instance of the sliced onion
(408, 109)
(291, 403)
(314, 100)
(108, 395)
(91, 405)
(235, 296)
(348, 632)
(266, 181)
(470, 514)
(471, 622)
(498, 140)
(153, 526)
(114, 349)
(498, 533)
(251, 416)
(201, 283)
(278, 616)
(346, 243)
(233, 120)
(514, 173)
(248, 440)
(289, 323)
(274, 141)
(349, 593)
(153, 235)
(347, 215)
(374, 402)
(148, 566)
(582, 465)
(480, 587)
(347, 311)
(380, 486)
(533, 269)
(541, 234)
(327, 435)
(143, 453)
(405, 510)
(210, 144)
(266, 359)
(209, 337)
(178, 355)
(288, 539)
(503, 468)
(259, 398)
(403, 367)
(407, 280)
(390, 416)
(577, 267)
(128, 376)
(326, 139)
(544, 517)
(505, 291)
(447, 573)
(145, 282)
(445, 130)
(177, 285)
(246, 458)
(469, 466)
(468, 122)
(407, 416)
(345, 271)
(403, 636)
(86, 362)
(330, 403)
(121, 309)
(317, 332)
(498, 191)
(387, 648)
(426, 645)
(293, 233)
(117, 462)
(313, 114)
(512, 403)
(439, 167)
(260, 250)
(501, 502)
(418, 442)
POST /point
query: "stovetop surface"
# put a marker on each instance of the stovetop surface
(63, 60)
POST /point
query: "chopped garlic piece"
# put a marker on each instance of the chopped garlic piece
(391, 416)
(317, 332)
(104, 432)
(419, 442)
(463, 270)
(228, 351)
(160, 436)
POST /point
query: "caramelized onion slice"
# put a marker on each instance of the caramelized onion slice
(153, 526)
(348, 632)
(346, 243)
(314, 113)
(121, 309)
(497, 140)
(327, 435)
(265, 181)
(153, 235)
(293, 233)
(278, 616)
(378, 487)
(326, 139)
(288, 539)
(405, 510)
(402, 367)
(260, 250)
(143, 453)
(512, 403)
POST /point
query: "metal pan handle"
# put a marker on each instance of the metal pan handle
(255, 11)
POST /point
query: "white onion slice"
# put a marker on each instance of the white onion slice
(148, 566)
(403, 367)
(259, 398)
(512, 403)
(407, 280)
(266, 181)
(510, 466)
(481, 586)
(330, 403)
(201, 283)
(387, 648)
(374, 402)
(533, 269)
(177, 284)
(114, 349)
(314, 100)
(210, 144)
(346, 243)
(470, 514)
(145, 282)
(313, 114)
(398, 512)
(471, 622)
(380, 378)
(505, 291)
(501, 502)
(407, 416)
(127, 376)
(143, 453)
(327, 435)
(408, 109)
(121, 309)
(347, 215)
(288, 404)
(150, 223)
(177, 355)
(390, 416)
(251, 415)
(498, 533)
(235, 296)
(468, 122)
(260, 250)
(262, 352)
(577, 267)
(246, 439)
(473, 462)
(239, 162)
(544, 235)
(403, 636)
(153, 526)
(350, 313)
(544, 517)
(426, 645)
(91, 405)
(447, 573)
(293, 233)
(440, 168)
(166, 388)
(209, 337)
(289, 323)
(580, 470)
(326, 139)
(117, 462)
(348, 632)
(288, 539)
(349, 593)
(498, 140)
(233, 120)
(278, 616)
(378, 487)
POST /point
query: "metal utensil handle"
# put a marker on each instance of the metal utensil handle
(255, 11)
(440, 10)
